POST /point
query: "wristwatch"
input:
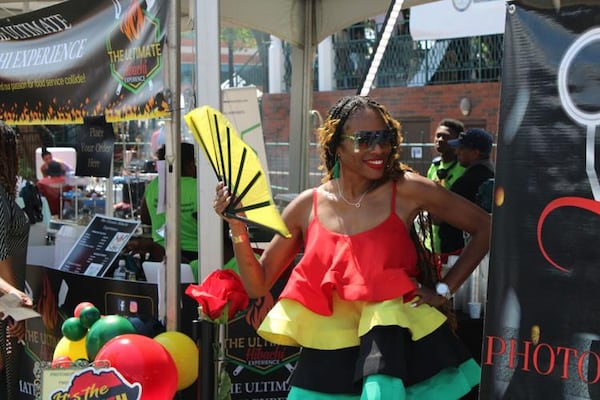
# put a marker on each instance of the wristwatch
(443, 290)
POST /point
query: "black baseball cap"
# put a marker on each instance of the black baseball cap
(474, 138)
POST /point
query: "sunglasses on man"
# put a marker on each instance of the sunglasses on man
(367, 140)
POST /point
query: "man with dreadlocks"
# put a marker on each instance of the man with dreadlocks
(364, 300)
(14, 233)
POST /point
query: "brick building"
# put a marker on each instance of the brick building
(418, 109)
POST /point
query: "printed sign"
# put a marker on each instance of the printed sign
(95, 148)
(91, 381)
(78, 59)
(99, 245)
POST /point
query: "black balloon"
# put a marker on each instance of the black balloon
(146, 325)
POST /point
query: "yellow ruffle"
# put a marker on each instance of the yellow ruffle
(289, 323)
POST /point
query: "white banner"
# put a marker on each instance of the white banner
(240, 106)
(448, 19)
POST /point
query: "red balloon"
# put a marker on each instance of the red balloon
(80, 307)
(142, 359)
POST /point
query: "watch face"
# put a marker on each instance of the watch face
(442, 289)
(461, 5)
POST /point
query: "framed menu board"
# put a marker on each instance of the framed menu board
(99, 245)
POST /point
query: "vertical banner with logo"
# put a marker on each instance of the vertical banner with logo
(240, 107)
(79, 59)
(259, 370)
(542, 325)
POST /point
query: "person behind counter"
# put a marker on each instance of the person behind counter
(150, 215)
(14, 233)
(53, 185)
(48, 158)
(363, 300)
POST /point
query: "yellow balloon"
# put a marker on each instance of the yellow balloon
(73, 350)
(185, 353)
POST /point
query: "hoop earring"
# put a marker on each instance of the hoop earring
(335, 171)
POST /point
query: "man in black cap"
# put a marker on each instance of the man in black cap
(473, 149)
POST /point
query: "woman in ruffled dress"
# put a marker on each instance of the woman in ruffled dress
(366, 302)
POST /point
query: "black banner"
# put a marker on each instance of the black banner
(56, 294)
(78, 59)
(542, 326)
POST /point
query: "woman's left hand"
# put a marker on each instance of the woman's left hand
(17, 329)
(25, 300)
(425, 295)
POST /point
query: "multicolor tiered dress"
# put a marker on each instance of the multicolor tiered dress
(347, 303)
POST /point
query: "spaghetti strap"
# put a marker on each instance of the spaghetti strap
(315, 202)
(393, 197)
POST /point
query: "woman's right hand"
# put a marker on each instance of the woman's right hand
(222, 199)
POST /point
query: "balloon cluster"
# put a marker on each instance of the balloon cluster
(162, 364)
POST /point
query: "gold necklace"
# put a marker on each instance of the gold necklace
(360, 199)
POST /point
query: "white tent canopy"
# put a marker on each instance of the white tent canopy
(303, 23)
(285, 19)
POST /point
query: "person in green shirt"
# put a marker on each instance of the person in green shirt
(188, 212)
(445, 168)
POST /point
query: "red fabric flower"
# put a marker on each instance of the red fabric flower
(220, 288)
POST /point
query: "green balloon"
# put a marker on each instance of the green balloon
(89, 315)
(73, 330)
(105, 329)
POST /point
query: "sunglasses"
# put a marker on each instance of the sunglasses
(364, 140)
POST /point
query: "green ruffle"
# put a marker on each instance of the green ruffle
(449, 384)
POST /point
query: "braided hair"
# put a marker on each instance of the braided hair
(330, 137)
(9, 160)
(330, 134)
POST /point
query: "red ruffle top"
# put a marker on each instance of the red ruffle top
(373, 265)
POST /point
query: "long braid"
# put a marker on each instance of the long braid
(428, 264)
